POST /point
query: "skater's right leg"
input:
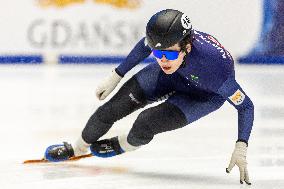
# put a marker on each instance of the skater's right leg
(129, 98)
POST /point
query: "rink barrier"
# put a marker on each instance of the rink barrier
(73, 59)
(65, 59)
(80, 59)
(21, 59)
(261, 59)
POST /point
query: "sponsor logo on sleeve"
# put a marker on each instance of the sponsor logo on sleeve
(238, 97)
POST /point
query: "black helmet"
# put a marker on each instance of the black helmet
(167, 28)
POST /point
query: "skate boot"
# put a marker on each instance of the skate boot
(59, 152)
(106, 148)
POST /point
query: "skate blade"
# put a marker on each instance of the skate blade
(46, 161)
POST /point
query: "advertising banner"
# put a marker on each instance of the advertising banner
(49, 30)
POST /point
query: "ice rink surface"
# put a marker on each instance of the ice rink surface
(47, 104)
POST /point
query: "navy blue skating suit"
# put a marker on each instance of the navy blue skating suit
(200, 86)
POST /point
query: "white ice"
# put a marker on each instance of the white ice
(43, 105)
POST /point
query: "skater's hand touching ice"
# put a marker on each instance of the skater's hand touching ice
(239, 158)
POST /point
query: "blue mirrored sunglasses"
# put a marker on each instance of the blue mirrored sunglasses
(170, 55)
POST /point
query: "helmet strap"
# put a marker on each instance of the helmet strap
(183, 61)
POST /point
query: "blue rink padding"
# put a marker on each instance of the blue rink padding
(79, 59)
(21, 59)
(261, 59)
(269, 48)
(66, 59)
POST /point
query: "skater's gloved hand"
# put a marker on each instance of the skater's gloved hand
(107, 86)
(239, 158)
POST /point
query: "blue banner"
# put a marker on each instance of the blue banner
(270, 47)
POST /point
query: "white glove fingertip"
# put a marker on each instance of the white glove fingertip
(247, 177)
(99, 92)
(231, 165)
(104, 95)
(242, 175)
(99, 95)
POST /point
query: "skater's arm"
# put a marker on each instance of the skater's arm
(137, 54)
(236, 96)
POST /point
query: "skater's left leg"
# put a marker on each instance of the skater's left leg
(176, 112)
(154, 120)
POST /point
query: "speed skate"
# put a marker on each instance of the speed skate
(43, 160)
